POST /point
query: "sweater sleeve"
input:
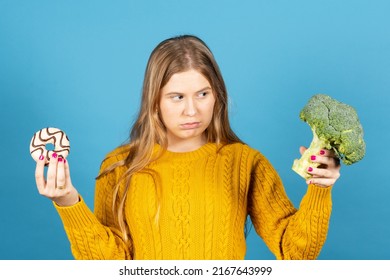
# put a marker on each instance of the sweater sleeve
(95, 236)
(288, 232)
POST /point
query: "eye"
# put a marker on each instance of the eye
(203, 94)
(177, 97)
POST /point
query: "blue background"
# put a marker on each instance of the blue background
(79, 65)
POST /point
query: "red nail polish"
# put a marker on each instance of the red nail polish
(60, 159)
(313, 157)
(310, 169)
(54, 155)
(64, 161)
(41, 157)
(322, 152)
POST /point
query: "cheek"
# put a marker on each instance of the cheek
(209, 110)
(168, 114)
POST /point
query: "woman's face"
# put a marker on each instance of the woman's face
(186, 109)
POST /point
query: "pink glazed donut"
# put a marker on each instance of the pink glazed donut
(49, 135)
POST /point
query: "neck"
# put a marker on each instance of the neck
(186, 145)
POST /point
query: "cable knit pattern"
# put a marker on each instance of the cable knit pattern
(227, 201)
(209, 205)
(139, 226)
(181, 207)
(194, 206)
(241, 211)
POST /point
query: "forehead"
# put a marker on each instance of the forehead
(186, 82)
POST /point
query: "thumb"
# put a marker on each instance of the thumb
(302, 149)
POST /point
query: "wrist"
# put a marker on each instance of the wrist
(68, 200)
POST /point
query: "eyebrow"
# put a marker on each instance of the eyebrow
(198, 91)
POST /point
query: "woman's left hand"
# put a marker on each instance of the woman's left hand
(327, 173)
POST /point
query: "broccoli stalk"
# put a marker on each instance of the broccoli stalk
(301, 165)
(336, 126)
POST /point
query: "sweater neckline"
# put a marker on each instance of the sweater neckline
(205, 150)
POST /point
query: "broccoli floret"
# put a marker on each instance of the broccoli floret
(336, 126)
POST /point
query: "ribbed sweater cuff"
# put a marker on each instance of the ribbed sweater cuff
(76, 216)
(317, 198)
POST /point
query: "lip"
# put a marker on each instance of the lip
(190, 125)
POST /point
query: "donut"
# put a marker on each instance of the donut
(49, 135)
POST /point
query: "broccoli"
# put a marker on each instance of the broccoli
(336, 126)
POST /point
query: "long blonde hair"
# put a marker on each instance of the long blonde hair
(171, 56)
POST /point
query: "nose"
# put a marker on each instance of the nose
(190, 108)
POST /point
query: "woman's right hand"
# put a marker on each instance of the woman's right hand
(58, 186)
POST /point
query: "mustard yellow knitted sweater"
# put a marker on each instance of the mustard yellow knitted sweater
(204, 198)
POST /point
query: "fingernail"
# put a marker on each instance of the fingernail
(313, 157)
(54, 155)
(64, 160)
(310, 169)
(322, 152)
(41, 157)
(60, 159)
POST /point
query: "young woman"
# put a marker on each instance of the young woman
(184, 185)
